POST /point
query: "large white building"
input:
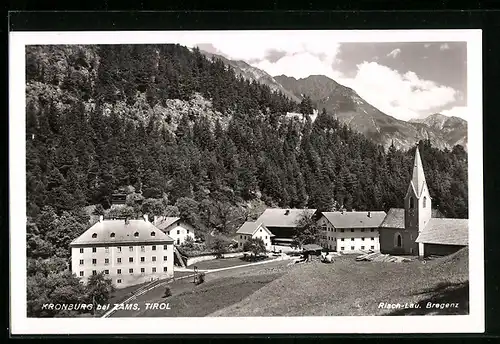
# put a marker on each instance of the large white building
(128, 251)
(175, 228)
(351, 231)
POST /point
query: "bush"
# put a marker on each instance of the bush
(168, 292)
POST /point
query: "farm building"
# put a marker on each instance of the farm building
(253, 230)
(283, 223)
(418, 229)
(175, 228)
(128, 251)
(351, 231)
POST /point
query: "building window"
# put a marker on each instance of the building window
(153, 233)
(362, 247)
(94, 250)
(106, 249)
(118, 281)
(412, 203)
(187, 231)
(398, 240)
(153, 248)
(165, 258)
(178, 231)
(130, 271)
(342, 231)
(165, 269)
(94, 261)
(142, 259)
(119, 260)
(241, 237)
(81, 261)
(131, 259)
(241, 244)
(165, 247)
(352, 230)
(131, 248)
(142, 270)
(143, 248)
(106, 261)
(352, 239)
(373, 238)
(362, 229)
(153, 259)
(136, 234)
(94, 272)
(112, 235)
(81, 273)
(425, 202)
(266, 237)
(178, 241)
(342, 249)
(119, 271)
(94, 235)
(371, 230)
(372, 247)
(261, 230)
(106, 272)
(81, 250)
(362, 239)
(119, 248)
(352, 248)
(153, 269)
(342, 239)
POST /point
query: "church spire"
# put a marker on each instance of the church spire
(418, 177)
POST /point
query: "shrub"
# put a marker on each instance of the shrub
(168, 292)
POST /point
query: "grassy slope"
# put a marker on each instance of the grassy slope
(348, 287)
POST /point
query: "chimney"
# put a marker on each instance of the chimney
(101, 218)
(146, 217)
(126, 221)
(369, 214)
(287, 212)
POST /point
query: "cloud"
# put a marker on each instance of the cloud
(403, 96)
(444, 46)
(394, 53)
(457, 111)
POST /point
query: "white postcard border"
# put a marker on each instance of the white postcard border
(20, 324)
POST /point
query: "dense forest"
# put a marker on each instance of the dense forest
(183, 135)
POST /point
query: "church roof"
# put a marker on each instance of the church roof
(418, 176)
(396, 218)
(445, 232)
(274, 217)
(124, 232)
(355, 219)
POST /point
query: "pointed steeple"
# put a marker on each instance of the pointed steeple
(418, 177)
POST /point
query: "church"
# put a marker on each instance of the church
(419, 229)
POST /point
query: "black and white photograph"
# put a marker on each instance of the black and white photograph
(267, 181)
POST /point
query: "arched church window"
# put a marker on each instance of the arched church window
(412, 203)
(425, 201)
(398, 240)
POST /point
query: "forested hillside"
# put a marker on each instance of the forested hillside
(181, 134)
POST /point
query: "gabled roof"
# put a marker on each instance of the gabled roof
(123, 233)
(445, 232)
(355, 219)
(396, 218)
(251, 227)
(165, 221)
(274, 217)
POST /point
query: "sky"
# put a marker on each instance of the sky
(405, 80)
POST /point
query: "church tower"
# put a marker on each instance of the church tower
(418, 208)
